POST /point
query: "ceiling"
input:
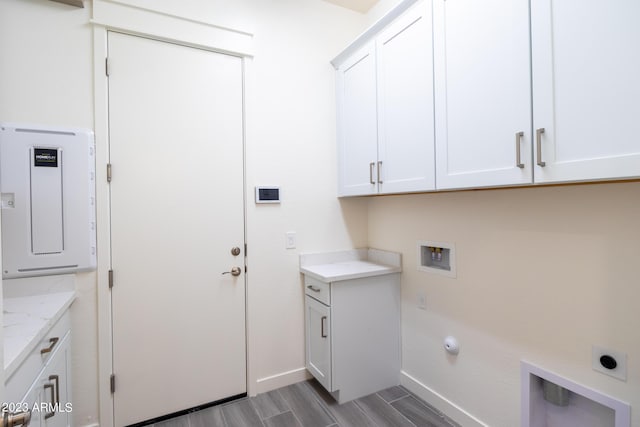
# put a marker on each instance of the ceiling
(362, 6)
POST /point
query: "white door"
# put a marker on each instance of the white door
(357, 124)
(176, 150)
(482, 92)
(586, 88)
(405, 103)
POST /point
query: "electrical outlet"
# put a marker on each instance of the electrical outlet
(290, 240)
(610, 362)
(422, 301)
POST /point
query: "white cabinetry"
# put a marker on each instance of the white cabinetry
(42, 383)
(482, 93)
(385, 108)
(357, 133)
(317, 332)
(352, 323)
(586, 89)
(552, 102)
(49, 396)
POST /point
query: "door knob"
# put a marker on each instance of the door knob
(16, 419)
(235, 271)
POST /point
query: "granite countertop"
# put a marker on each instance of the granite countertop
(28, 319)
(352, 264)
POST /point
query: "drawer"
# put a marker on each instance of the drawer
(317, 290)
(18, 384)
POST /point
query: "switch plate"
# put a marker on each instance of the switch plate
(290, 240)
(422, 301)
(619, 372)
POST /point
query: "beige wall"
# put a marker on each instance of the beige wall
(542, 275)
(46, 77)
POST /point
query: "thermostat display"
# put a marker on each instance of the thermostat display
(267, 195)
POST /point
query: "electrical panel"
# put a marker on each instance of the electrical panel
(47, 186)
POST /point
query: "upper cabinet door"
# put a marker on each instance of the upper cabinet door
(586, 86)
(405, 103)
(357, 128)
(482, 93)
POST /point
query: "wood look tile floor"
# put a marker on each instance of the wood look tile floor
(307, 404)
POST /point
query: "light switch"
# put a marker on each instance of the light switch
(290, 240)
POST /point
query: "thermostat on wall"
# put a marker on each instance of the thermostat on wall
(267, 194)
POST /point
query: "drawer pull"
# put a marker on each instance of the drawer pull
(371, 165)
(52, 343)
(313, 288)
(323, 334)
(52, 413)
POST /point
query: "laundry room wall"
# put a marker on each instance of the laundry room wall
(46, 77)
(543, 274)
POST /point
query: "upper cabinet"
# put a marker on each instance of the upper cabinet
(572, 118)
(515, 92)
(482, 93)
(586, 63)
(385, 109)
(357, 123)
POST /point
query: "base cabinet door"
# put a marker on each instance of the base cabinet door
(55, 389)
(318, 341)
(586, 89)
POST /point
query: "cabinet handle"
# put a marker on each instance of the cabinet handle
(313, 288)
(519, 163)
(52, 343)
(539, 133)
(379, 169)
(56, 378)
(323, 334)
(371, 165)
(52, 413)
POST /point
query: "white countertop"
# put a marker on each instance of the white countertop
(352, 264)
(27, 319)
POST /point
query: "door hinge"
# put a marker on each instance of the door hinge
(106, 66)
(110, 279)
(245, 250)
(112, 383)
(108, 172)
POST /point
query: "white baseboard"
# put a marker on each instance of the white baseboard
(282, 379)
(439, 402)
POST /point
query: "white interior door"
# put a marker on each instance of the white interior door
(177, 210)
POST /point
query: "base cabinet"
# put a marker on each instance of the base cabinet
(42, 383)
(49, 397)
(353, 334)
